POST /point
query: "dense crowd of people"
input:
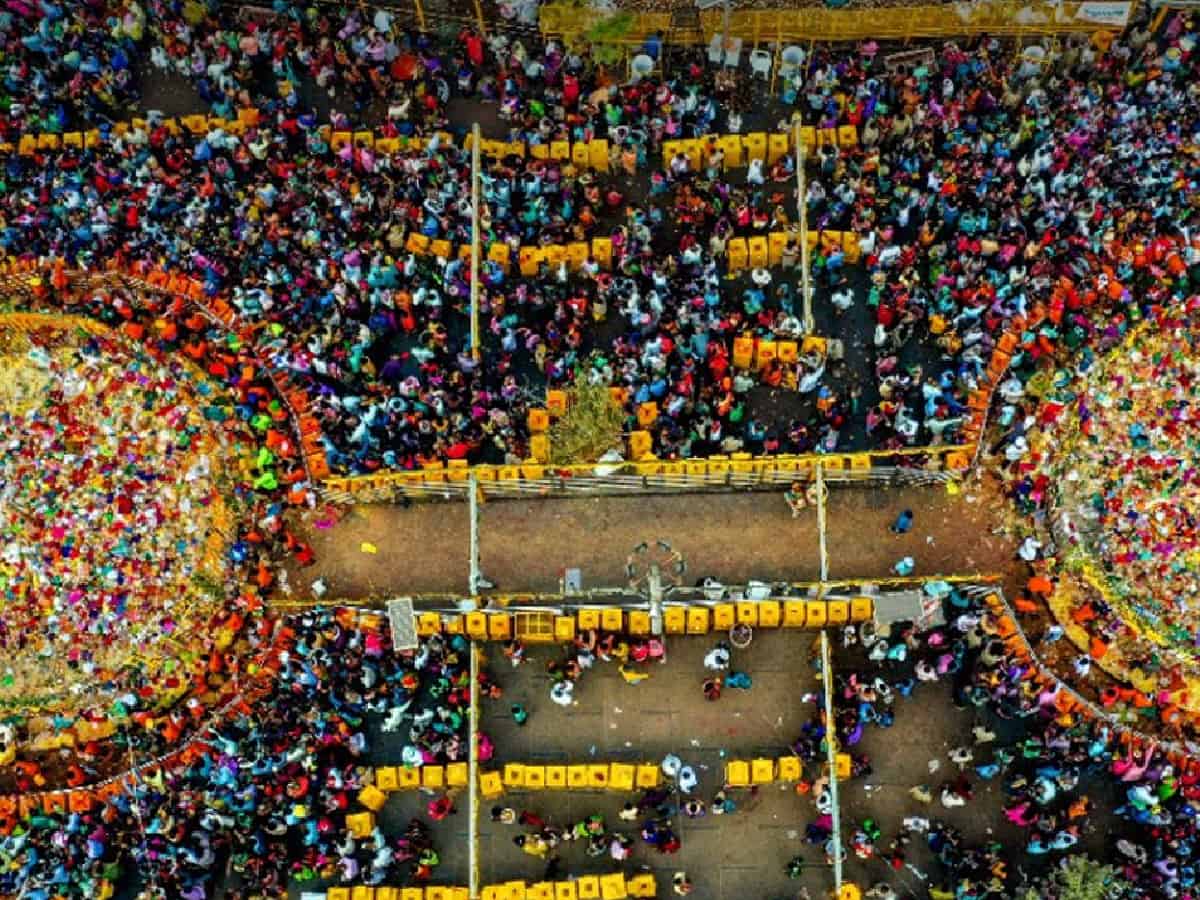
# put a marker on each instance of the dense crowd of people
(1039, 206)
(973, 195)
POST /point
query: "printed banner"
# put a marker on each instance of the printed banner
(1103, 12)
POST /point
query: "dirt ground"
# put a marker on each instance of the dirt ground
(525, 545)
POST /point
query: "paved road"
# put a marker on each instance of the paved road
(526, 544)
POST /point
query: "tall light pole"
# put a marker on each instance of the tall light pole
(645, 566)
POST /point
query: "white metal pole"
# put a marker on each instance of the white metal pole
(473, 513)
(823, 550)
(473, 780)
(831, 756)
(802, 209)
(476, 239)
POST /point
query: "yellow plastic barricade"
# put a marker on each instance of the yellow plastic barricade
(556, 777)
(602, 252)
(639, 623)
(408, 777)
(73, 139)
(815, 613)
(457, 775)
(765, 352)
(535, 778)
(808, 137)
(577, 777)
(768, 614)
(648, 776)
(515, 890)
(827, 137)
(861, 609)
(956, 462)
(777, 147)
(556, 402)
(337, 140)
(732, 145)
(647, 414)
(560, 150)
(372, 798)
(675, 620)
(387, 779)
(542, 890)
(589, 887)
(580, 155)
(838, 612)
(756, 145)
(795, 613)
(743, 352)
(441, 249)
(813, 344)
(621, 777)
(499, 253)
(577, 254)
(598, 155)
(842, 765)
(428, 623)
(589, 618)
(759, 254)
(539, 151)
(529, 259)
(565, 890)
(612, 619)
(500, 627)
(362, 892)
(364, 139)
(850, 247)
(489, 892)
(670, 148)
(612, 887)
(337, 893)
(27, 146)
(516, 148)
(514, 775)
(91, 138)
(490, 785)
(762, 771)
(789, 352)
(776, 241)
(859, 462)
(695, 152)
(538, 420)
(387, 893)
(642, 885)
(791, 768)
(747, 612)
(539, 448)
(555, 254)
(417, 243)
(387, 146)
(477, 626)
(847, 136)
(737, 773)
(198, 124)
(724, 616)
(361, 824)
(698, 620)
(433, 777)
(564, 628)
(640, 444)
(738, 255)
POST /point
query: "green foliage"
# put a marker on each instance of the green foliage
(591, 427)
(1078, 878)
(605, 36)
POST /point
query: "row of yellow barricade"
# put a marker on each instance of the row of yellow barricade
(592, 154)
(458, 470)
(623, 777)
(743, 773)
(537, 626)
(767, 250)
(586, 887)
(529, 259)
(740, 149)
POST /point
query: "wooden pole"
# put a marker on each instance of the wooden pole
(475, 240)
(420, 14)
(479, 18)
